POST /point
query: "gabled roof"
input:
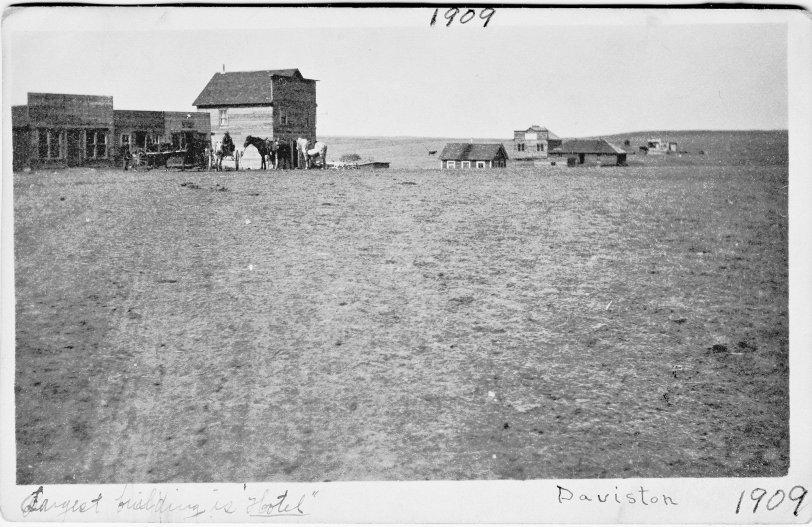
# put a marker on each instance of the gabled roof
(472, 151)
(242, 87)
(536, 128)
(589, 146)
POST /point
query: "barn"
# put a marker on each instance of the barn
(277, 104)
(473, 155)
(534, 142)
(56, 129)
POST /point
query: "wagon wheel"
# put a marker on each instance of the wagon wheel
(139, 158)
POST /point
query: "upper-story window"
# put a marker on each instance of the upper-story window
(224, 117)
(283, 117)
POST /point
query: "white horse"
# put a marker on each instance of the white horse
(319, 149)
(301, 151)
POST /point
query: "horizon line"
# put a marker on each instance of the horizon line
(660, 131)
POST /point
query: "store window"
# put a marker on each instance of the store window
(96, 144)
(49, 143)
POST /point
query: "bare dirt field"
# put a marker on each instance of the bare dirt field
(401, 324)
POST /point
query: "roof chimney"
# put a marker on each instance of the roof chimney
(224, 68)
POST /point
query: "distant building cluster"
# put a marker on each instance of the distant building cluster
(534, 144)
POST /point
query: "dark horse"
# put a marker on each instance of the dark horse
(265, 147)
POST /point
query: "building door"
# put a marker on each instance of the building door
(75, 149)
(140, 140)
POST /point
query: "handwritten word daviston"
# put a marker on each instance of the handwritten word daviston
(36, 502)
(639, 496)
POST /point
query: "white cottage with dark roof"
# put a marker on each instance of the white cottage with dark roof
(270, 103)
(473, 155)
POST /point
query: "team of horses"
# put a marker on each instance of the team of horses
(277, 153)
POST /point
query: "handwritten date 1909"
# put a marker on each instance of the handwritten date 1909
(451, 13)
(796, 493)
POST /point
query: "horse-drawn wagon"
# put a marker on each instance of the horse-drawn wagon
(194, 153)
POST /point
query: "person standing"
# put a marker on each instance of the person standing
(126, 157)
(228, 145)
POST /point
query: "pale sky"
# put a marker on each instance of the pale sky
(387, 72)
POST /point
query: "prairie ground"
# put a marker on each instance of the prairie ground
(401, 324)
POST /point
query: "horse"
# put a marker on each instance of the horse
(301, 152)
(319, 149)
(265, 147)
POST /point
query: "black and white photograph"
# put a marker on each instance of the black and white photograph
(303, 255)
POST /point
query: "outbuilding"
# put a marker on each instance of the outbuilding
(473, 155)
(580, 149)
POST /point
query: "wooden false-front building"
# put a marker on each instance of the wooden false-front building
(270, 104)
(73, 130)
(56, 129)
(143, 130)
(473, 155)
(534, 143)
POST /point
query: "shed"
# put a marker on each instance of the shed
(590, 147)
(473, 155)
(270, 104)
